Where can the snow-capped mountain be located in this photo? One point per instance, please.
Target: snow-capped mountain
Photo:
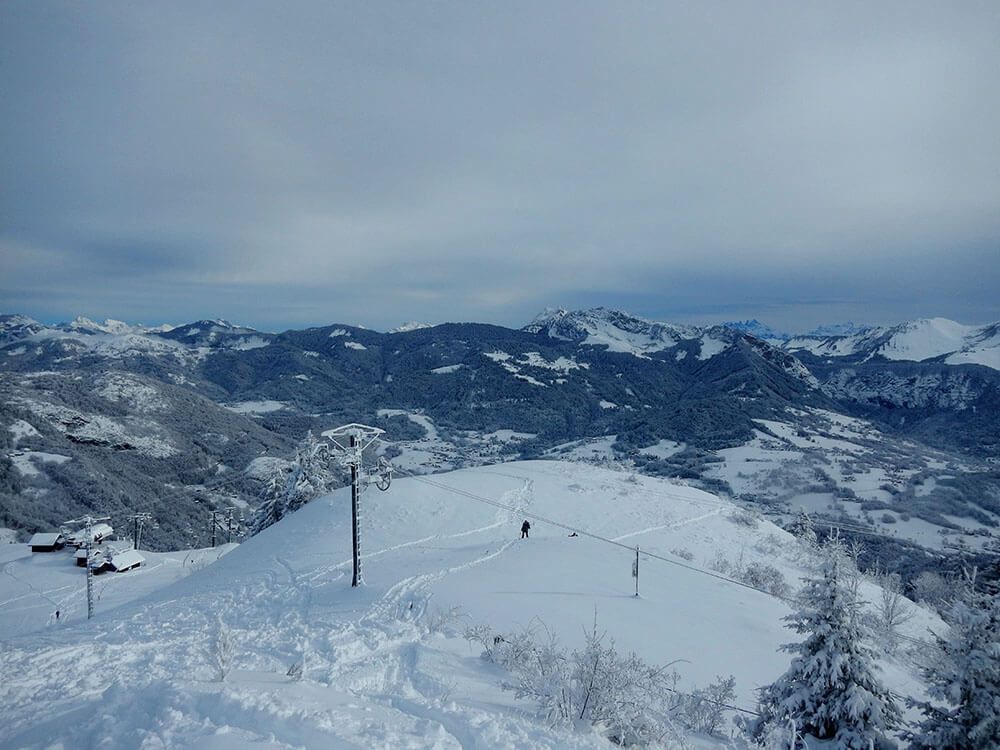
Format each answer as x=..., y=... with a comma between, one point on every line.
x=760, y=330
x=617, y=331
x=15, y=327
x=621, y=332
x=412, y=325
x=205, y=398
x=919, y=340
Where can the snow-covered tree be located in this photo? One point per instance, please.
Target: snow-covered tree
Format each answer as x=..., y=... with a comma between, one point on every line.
x=802, y=527
x=287, y=491
x=830, y=690
x=965, y=677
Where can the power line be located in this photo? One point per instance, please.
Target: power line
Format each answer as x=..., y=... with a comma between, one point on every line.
x=583, y=532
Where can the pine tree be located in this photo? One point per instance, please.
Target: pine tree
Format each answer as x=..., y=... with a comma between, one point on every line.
x=830, y=689
x=966, y=677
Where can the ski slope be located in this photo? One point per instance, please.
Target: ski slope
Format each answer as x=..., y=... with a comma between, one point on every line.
x=385, y=664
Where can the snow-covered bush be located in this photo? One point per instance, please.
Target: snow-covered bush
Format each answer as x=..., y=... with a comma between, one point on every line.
x=933, y=589
x=759, y=575
x=705, y=709
x=830, y=690
x=964, y=676
x=683, y=552
x=892, y=609
x=628, y=700
x=221, y=651
x=765, y=577
x=745, y=518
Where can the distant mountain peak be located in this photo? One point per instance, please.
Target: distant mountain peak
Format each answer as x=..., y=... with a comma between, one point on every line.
x=849, y=328
x=412, y=325
x=757, y=329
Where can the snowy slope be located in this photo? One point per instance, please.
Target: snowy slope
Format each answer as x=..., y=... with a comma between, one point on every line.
x=383, y=666
x=915, y=340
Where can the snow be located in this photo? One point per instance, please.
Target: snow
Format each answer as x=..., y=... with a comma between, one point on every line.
x=355, y=345
x=131, y=391
x=245, y=343
x=44, y=539
x=21, y=429
x=560, y=364
x=663, y=449
x=133, y=431
x=303, y=378
x=337, y=332
x=588, y=449
x=17, y=351
x=23, y=461
x=607, y=404
x=127, y=558
x=710, y=346
x=915, y=340
x=923, y=339
x=505, y=361
x=447, y=369
x=411, y=326
x=383, y=666
x=256, y=407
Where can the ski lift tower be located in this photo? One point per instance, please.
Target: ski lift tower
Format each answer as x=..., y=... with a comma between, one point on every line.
x=351, y=441
x=89, y=522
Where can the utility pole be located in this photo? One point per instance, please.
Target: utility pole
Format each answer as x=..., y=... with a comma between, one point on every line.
x=355, y=517
x=89, y=543
x=351, y=441
x=138, y=521
x=635, y=570
x=216, y=525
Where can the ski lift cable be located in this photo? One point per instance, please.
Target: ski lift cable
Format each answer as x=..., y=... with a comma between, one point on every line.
x=581, y=532
x=649, y=555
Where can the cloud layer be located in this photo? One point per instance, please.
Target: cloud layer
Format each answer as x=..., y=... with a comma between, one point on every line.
x=297, y=164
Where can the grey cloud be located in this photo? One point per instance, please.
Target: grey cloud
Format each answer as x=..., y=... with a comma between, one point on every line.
x=385, y=161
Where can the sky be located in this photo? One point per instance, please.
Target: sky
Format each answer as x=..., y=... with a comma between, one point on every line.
x=291, y=164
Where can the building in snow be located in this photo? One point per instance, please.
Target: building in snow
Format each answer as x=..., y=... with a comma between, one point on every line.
x=96, y=557
x=100, y=531
x=47, y=542
x=125, y=560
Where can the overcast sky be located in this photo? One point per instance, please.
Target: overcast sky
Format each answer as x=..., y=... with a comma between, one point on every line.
x=292, y=164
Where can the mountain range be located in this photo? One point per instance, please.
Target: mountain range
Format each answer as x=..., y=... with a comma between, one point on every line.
x=893, y=429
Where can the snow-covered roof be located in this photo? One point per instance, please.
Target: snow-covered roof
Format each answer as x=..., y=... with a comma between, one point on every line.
x=126, y=559
x=45, y=539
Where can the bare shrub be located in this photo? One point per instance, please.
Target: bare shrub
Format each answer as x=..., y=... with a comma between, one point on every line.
x=631, y=701
x=746, y=518
x=706, y=708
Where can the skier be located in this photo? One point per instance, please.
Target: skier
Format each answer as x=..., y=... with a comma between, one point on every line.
x=524, y=529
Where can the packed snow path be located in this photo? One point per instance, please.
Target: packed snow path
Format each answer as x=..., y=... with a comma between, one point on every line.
x=384, y=665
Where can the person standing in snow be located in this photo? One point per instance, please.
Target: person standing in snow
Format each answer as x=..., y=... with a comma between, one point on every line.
x=524, y=529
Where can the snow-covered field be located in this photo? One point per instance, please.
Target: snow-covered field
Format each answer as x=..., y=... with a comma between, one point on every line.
x=385, y=665
x=837, y=468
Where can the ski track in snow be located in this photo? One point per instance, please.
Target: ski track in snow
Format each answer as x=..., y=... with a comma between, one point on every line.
x=674, y=525
x=377, y=667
